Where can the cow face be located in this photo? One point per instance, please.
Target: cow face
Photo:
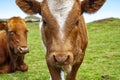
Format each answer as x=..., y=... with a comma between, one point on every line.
x=60, y=31
x=16, y=30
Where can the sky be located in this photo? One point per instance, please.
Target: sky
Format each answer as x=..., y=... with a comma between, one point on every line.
x=8, y=9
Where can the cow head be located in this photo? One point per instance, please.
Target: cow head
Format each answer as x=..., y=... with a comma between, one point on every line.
x=16, y=31
x=61, y=27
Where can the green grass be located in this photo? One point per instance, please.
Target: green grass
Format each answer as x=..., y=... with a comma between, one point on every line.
x=103, y=52
x=102, y=55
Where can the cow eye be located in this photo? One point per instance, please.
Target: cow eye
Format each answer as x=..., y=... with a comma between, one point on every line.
x=11, y=32
x=44, y=23
x=77, y=22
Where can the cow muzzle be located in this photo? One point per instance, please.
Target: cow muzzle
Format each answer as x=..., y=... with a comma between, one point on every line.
x=23, y=50
x=63, y=58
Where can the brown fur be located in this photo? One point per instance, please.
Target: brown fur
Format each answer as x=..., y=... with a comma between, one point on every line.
x=2, y=26
x=68, y=53
x=13, y=36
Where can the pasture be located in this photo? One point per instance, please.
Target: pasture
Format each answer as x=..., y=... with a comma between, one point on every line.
x=101, y=62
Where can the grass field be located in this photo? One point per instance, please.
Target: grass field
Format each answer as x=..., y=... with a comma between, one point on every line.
x=102, y=56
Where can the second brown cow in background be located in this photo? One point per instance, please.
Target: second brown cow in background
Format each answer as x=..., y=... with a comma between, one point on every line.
x=13, y=45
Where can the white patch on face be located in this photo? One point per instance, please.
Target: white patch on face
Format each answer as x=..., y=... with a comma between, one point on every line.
x=60, y=10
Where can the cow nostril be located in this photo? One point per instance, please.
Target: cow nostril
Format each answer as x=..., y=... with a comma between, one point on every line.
x=20, y=49
x=68, y=56
x=67, y=59
x=54, y=58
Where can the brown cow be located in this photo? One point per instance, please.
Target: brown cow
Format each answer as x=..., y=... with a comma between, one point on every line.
x=63, y=31
x=13, y=45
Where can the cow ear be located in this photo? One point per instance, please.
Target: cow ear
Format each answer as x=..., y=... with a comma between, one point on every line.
x=91, y=6
x=29, y=6
x=2, y=26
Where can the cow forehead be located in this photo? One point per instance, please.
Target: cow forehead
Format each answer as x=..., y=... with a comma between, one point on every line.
x=60, y=10
x=16, y=24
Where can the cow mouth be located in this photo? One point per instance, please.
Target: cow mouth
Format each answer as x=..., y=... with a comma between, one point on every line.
x=67, y=68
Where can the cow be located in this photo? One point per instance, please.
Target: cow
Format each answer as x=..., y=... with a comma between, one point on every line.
x=13, y=45
x=63, y=31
